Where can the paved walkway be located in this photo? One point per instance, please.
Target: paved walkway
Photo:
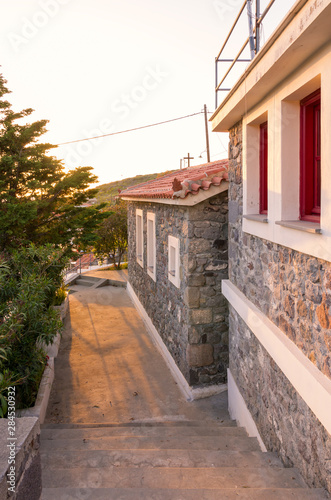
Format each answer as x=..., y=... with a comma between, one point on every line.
x=121, y=275
x=108, y=369
x=109, y=382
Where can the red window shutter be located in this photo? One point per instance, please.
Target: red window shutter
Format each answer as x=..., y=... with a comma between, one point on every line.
x=264, y=168
x=310, y=157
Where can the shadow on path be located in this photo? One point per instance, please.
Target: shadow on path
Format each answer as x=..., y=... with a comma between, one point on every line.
x=108, y=369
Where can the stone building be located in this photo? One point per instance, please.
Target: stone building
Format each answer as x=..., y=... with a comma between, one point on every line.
x=178, y=256
x=278, y=116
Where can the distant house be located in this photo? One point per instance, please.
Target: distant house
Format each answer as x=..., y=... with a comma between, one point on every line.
x=177, y=259
x=279, y=290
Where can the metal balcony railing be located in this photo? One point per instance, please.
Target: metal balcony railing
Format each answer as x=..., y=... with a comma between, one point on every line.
x=85, y=261
x=253, y=40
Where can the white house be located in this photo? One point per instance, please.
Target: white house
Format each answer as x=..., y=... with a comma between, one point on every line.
x=278, y=116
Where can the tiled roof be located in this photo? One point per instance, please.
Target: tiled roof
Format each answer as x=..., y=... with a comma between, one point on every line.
x=181, y=183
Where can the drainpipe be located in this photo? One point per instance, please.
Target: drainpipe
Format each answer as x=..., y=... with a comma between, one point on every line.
x=250, y=28
x=257, y=26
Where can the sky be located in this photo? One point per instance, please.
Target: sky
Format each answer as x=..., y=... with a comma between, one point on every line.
x=97, y=67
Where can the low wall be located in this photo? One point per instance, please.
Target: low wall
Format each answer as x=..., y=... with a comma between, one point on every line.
x=40, y=407
x=20, y=467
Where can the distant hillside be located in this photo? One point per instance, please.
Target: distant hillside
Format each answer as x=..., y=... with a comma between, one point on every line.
x=108, y=192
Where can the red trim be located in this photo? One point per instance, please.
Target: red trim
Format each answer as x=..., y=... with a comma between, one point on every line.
x=264, y=168
x=310, y=157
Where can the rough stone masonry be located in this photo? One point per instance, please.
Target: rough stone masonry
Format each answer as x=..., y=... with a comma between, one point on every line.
x=193, y=319
x=294, y=291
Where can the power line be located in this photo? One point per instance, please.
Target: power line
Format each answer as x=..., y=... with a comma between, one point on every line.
x=130, y=130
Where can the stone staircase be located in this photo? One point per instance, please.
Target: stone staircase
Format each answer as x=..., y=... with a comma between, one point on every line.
x=93, y=282
x=173, y=460
x=90, y=281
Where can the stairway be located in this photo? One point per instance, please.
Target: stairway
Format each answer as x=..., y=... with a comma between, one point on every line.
x=93, y=282
x=90, y=281
x=174, y=460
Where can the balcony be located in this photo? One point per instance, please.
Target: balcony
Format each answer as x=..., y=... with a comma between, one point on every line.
x=258, y=26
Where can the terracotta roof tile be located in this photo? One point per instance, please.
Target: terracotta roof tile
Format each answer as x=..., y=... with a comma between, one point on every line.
x=181, y=183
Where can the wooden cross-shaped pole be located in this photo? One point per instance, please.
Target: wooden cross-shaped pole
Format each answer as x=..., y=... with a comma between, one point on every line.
x=188, y=158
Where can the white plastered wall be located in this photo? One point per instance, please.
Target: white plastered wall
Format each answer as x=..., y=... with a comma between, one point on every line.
x=283, y=111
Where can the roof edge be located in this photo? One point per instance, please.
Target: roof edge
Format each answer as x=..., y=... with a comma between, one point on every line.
x=189, y=201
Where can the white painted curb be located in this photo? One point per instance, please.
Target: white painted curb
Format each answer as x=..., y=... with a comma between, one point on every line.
x=239, y=411
x=188, y=392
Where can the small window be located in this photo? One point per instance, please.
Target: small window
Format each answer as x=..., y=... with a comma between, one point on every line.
x=173, y=260
x=310, y=157
x=264, y=168
x=255, y=167
x=139, y=237
x=151, y=244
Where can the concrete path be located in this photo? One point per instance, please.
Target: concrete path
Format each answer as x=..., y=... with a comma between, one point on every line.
x=121, y=275
x=108, y=369
x=118, y=427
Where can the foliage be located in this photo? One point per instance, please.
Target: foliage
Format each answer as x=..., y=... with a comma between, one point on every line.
x=112, y=235
x=107, y=193
x=29, y=279
x=6, y=380
x=43, y=216
x=40, y=202
x=60, y=295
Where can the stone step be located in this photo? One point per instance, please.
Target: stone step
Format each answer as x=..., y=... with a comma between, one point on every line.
x=101, y=283
x=173, y=478
x=117, y=283
x=84, y=282
x=234, y=443
x=86, y=277
x=161, y=433
x=55, y=459
x=161, y=494
x=224, y=419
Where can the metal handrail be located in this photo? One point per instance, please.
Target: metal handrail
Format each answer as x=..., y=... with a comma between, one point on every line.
x=255, y=33
x=233, y=27
x=233, y=63
x=77, y=267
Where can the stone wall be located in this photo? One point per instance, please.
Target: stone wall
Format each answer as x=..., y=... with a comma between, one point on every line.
x=192, y=320
x=20, y=460
x=294, y=291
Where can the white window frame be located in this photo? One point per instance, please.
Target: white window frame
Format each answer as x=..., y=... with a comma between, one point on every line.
x=284, y=226
x=151, y=246
x=140, y=237
x=173, y=260
x=252, y=156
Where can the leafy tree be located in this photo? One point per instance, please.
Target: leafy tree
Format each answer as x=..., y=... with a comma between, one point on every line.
x=42, y=216
x=27, y=288
x=112, y=234
x=39, y=201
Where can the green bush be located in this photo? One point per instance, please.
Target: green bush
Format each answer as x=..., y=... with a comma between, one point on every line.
x=29, y=283
x=60, y=295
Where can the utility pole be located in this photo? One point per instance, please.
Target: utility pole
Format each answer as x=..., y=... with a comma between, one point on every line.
x=188, y=158
x=207, y=137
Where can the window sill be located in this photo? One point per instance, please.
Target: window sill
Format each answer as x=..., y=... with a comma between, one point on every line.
x=151, y=273
x=257, y=217
x=301, y=225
